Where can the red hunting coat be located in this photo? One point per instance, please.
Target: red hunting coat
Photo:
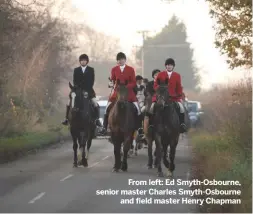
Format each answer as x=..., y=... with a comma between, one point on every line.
x=174, y=83
x=127, y=74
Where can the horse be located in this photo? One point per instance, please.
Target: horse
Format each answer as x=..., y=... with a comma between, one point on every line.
x=149, y=135
x=81, y=125
x=166, y=128
x=121, y=121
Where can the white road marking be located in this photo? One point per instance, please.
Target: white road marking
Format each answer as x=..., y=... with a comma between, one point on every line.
x=67, y=177
x=37, y=197
x=94, y=164
x=105, y=157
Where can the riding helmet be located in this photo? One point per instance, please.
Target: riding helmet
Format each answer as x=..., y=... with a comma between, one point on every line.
x=120, y=56
x=84, y=57
x=154, y=72
x=138, y=77
x=170, y=61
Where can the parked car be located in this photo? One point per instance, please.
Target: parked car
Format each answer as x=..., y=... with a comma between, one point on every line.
x=195, y=112
x=102, y=104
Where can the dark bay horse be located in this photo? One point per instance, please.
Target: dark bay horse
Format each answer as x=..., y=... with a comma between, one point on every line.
x=121, y=121
x=82, y=128
x=149, y=135
x=166, y=128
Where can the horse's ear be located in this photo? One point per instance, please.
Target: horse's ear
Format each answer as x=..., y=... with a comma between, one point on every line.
x=118, y=81
x=70, y=86
x=158, y=81
x=166, y=81
x=126, y=82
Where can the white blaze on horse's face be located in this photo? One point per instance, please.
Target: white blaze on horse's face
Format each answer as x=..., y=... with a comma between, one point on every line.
x=73, y=96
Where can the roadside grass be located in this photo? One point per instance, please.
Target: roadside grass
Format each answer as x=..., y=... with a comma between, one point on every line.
x=222, y=148
x=37, y=137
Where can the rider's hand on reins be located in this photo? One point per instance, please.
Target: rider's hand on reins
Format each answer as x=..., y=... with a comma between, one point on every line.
x=110, y=85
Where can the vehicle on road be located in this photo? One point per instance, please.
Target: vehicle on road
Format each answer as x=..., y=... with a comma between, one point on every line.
x=195, y=112
x=102, y=104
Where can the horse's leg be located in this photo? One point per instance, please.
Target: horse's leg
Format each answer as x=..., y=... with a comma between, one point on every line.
x=165, y=144
x=83, y=140
x=89, y=141
x=131, y=151
x=158, y=154
x=127, y=144
x=79, y=151
x=136, y=147
x=173, y=146
x=150, y=155
x=117, y=148
x=75, y=145
x=155, y=161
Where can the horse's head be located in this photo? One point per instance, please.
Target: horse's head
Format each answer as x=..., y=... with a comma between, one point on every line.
x=162, y=94
x=122, y=91
x=79, y=99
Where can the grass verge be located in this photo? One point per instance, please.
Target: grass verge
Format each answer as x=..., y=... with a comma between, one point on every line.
x=13, y=147
x=215, y=158
x=222, y=148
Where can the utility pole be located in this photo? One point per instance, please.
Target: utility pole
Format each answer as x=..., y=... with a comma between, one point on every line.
x=143, y=33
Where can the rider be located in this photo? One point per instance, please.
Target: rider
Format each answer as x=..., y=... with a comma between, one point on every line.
x=145, y=82
x=122, y=72
x=84, y=77
x=149, y=90
x=150, y=85
x=140, y=91
x=174, y=88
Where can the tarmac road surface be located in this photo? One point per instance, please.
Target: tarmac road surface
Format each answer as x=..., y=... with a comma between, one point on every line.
x=47, y=182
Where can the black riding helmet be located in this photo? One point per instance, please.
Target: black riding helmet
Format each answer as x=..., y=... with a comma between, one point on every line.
x=138, y=77
x=170, y=61
x=154, y=72
x=120, y=56
x=83, y=57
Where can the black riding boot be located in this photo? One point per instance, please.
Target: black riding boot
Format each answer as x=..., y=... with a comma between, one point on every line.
x=65, y=122
x=182, y=123
x=97, y=121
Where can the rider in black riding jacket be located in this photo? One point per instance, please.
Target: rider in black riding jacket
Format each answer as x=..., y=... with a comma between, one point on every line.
x=150, y=85
x=84, y=77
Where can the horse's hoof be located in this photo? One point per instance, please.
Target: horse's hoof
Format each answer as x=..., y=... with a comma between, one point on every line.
x=136, y=153
x=169, y=174
x=115, y=169
x=155, y=166
x=85, y=163
x=79, y=163
x=149, y=166
x=75, y=165
x=160, y=174
x=124, y=168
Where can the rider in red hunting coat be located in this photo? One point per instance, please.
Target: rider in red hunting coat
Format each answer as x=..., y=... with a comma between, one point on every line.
x=174, y=88
x=122, y=72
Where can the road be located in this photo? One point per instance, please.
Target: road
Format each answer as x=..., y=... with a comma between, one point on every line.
x=47, y=182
